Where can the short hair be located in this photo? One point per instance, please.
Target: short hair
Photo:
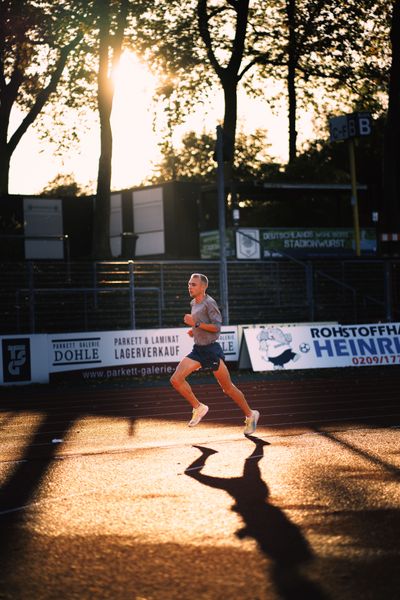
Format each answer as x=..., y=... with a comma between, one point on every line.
x=203, y=278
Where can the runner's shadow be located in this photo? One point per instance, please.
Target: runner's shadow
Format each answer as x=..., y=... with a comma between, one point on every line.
x=277, y=537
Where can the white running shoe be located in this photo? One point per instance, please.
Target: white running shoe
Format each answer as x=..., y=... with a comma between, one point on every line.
x=250, y=423
x=197, y=414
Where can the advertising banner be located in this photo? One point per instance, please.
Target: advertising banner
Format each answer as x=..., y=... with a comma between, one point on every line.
x=248, y=243
x=300, y=242
x=23, y=359
x=149, y=352
x=209, y=244
x=138, y=352
x=313, y=346
x=244, y=357
x=315, y=242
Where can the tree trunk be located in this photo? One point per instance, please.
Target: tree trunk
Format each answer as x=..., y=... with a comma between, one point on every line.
x=291, y=79
x=229, y=126
x=4, y=171
x=229, y=133
x=110, y=47
x=8, y=96
x=228, y=75
x=101, y=223
x=391, y=173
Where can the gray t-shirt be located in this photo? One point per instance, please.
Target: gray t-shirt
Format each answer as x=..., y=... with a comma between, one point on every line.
x=206, y=311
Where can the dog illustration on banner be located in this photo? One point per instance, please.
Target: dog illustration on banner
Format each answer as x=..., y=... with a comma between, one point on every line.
x=275, y=347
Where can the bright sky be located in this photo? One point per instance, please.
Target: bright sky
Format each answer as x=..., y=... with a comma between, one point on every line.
x=34, y=163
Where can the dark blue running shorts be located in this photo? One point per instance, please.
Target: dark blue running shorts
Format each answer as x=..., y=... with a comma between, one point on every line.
x=208, y=356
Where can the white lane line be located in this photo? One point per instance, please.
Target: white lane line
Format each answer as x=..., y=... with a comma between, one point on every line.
x=39, y=502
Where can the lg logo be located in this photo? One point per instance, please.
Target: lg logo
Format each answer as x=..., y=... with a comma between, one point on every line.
x=16, y=359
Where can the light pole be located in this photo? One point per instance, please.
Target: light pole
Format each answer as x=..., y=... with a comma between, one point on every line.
x=223, y=270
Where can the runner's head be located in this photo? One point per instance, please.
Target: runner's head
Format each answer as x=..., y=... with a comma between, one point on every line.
x=198, y=284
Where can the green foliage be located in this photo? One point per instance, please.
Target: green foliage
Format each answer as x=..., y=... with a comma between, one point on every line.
x=167, y=38
x=64, y=185
x=36, y=42
x=32, y=35
x=339, y=50
x=321, y=163
x=326, y=162
x=194, y=160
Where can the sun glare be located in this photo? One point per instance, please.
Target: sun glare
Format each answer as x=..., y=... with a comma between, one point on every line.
x=135, y=142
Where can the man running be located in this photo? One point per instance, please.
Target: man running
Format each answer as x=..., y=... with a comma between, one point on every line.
x=205, y=321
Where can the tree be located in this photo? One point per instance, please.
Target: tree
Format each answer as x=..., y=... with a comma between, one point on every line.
x=196, y=45
x=112, y=21
x=391, y=175
x=36, y=42
x=228, y=68
x=329, y=55
x=39, y=55
x=195, y=159
x=310, y=45
x=63, y=185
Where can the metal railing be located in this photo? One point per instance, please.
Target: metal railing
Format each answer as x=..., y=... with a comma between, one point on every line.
x=310, y=274
x=49, y=296
x=86, y=308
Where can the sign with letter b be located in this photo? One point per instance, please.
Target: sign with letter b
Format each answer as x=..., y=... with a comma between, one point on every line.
x=357, y=124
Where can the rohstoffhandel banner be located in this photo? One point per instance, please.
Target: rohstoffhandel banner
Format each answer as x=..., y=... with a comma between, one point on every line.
x=323, y=346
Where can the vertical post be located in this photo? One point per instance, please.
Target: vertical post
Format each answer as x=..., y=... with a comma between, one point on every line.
x=132, y=294
x=310, y=289
x=223, y=273
x=162, y=286
x=388, y=291
x=95, y=285
x=85, y=310
x=32, y=321
x=354, y=201
x=67, y=256
x=159, y=298
x=18, y=308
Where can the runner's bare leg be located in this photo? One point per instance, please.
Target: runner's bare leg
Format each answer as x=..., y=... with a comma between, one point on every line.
x=178, y=380
x=223, y=377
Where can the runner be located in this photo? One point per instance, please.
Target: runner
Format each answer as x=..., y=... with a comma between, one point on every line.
x=205, y=321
